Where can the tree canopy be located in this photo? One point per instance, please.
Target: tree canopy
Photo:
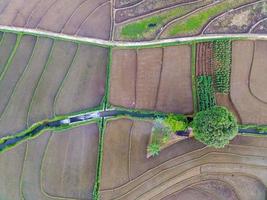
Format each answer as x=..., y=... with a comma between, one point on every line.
x=215, y=127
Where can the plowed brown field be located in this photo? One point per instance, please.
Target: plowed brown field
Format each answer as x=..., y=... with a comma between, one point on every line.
x=80, y=17
x=128, y=174
x=159, y=79
x=247, y=81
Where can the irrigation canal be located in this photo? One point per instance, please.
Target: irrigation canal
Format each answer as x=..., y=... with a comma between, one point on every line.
x=72, y=120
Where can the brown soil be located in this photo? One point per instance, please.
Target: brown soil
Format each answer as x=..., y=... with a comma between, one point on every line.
x=56, y=15
x=6, y=47
x=204, y=59
x=115, y=155
x=12, y=76
x=50, y=81
x=11, y=163
x=122, y=78
x=175, y=86
x=225, y=100
x=149, y=68
x=250, y=108
x=97, y=24
x=20, y=19
x=69, y=165
x=85, y=82
x=32, y=168
x=80, y=15
x=161, y=79
x=258, y=72
x=132, y=162
x=53, y=20
x=226, y=187
x=178, y=166
x=15, y=117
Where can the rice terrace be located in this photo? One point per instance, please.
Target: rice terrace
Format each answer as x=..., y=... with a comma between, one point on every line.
x=133, y=99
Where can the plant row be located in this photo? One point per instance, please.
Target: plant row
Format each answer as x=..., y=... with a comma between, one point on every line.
x=205, y=92
x=222, y=53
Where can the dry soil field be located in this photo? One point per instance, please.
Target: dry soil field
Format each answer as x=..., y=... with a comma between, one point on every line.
x=81, y=17
x=154, y=79
x=248, y=80
x=52, y=166
x=42, y=77
x=183, y=170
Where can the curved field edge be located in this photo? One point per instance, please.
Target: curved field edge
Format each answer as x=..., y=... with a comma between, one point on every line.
x=194, y=23
x=140, y=28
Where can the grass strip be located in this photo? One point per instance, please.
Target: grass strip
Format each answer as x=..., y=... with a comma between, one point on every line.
x=194, y=23
x=96, y=191
x=107, y=84
x=193, y=77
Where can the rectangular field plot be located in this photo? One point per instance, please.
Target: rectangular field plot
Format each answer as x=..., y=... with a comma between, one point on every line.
x=11, y=165
x=85, y=82
x=248, y=81
x=69, y=165
x=152, y=79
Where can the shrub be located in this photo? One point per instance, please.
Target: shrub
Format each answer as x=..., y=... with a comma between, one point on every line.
x=215, y=127
x=176, y=122
x=154, y=149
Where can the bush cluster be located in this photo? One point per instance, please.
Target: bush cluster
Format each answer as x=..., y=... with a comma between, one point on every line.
x=162, y=130
x=222, y=54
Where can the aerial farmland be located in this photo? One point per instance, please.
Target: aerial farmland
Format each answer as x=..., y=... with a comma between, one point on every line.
x=133, y=99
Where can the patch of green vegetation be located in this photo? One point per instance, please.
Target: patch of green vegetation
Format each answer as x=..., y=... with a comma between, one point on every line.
x=193, y=74
x=215, y=127
x=194, y=23
x=148, y=26
x=160, y=135
x=96, y=190
x=176, y=122
x=205, y=92
x=222, y=57
x=105, y=100
x=162, y=130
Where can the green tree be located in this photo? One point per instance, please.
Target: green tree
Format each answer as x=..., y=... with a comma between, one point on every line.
x=215, y=127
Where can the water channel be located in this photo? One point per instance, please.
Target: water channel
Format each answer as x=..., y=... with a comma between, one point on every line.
x=94, y=115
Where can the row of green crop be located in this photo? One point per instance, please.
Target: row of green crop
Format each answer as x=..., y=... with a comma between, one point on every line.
x=205, y=92
x=222, y=59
